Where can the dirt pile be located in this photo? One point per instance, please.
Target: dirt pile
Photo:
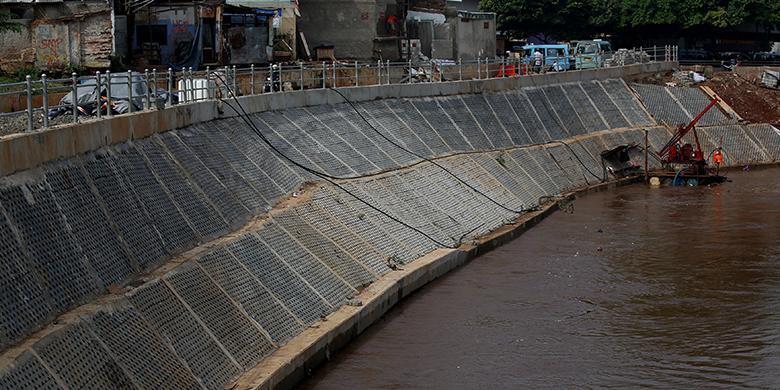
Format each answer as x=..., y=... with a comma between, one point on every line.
x=747, y=97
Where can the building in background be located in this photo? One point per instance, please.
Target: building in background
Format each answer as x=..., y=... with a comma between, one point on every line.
x=176, y=34
x=282, y=33
x=68, y=34
x=81, y=35
x=390, y=29
x=356, y=29
x=450, y=33
x=57, y=35
x=475, y=35
x=231, y=32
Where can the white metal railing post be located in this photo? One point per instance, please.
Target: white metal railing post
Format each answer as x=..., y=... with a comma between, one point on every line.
x=357, y=74
x=252, y=79
x=410, y=71
x=109, y=112
x=460, y=69
x=154, y=82
x=130, y=107
x=75, y=104
x=303, y=80
x=228, y=83
x=379, y=72
x=479, y=68
x=184, y=94
x=28, y=82
x=148, y=96
x=487, y=67
x=45, y=92
x=193, y=90
x=169, y=103
x=388, y=72
x=98, y=88
x=235, y=80
x=271, y=77
x=503, y=67
x=335, y=76
x=187, y=86
x=324, y=74
x=209, y=91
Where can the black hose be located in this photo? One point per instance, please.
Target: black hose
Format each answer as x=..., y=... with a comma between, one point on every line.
x=329, y=178
x=560, y=123
x=577, y=157
x=423, y=157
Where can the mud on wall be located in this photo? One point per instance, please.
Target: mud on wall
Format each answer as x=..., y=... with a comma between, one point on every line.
x=60, y=36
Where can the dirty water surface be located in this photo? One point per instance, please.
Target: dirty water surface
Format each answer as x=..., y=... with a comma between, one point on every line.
x=638, y=287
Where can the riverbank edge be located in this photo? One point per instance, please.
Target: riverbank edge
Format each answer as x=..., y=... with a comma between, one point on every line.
x=293, y=362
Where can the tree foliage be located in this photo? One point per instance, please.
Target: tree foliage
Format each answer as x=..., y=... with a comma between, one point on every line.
x=573, y=18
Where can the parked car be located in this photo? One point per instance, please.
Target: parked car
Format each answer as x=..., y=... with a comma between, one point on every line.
x=592, y=54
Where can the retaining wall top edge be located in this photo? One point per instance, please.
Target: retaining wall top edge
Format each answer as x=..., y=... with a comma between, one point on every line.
x=20, y=152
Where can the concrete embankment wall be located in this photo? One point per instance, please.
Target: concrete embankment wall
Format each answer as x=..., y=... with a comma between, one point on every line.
x=172, y=272
x=19, y=152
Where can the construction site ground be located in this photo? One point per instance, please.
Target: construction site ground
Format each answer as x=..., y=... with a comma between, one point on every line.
x=740, y=89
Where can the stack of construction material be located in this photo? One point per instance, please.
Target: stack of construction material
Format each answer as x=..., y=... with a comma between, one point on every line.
x=628, y=57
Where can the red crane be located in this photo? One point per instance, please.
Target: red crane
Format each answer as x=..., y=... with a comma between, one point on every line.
x=669, y=152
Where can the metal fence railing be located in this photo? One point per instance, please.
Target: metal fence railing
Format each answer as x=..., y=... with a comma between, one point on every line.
x=46, y=102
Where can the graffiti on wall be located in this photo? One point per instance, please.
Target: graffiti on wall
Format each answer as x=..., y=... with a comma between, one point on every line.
x=182, y=37
x=51, y=46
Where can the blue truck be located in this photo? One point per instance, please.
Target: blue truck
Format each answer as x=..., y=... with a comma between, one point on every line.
x=592, y=54
x=553, y=57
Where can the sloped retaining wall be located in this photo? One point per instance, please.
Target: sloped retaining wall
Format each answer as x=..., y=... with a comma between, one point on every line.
x=180, y=260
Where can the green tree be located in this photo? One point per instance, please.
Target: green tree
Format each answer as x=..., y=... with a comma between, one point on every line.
x=577, y=18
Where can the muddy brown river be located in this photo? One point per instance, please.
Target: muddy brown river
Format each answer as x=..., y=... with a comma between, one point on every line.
x=669, y=287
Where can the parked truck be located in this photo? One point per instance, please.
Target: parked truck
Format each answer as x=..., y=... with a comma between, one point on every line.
x=592, y=54
x=553, y=57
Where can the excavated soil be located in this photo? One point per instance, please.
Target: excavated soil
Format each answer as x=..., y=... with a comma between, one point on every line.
x=747, y=97
x=741, y=90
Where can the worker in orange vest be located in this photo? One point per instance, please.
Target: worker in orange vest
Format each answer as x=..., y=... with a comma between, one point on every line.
x=717, y=157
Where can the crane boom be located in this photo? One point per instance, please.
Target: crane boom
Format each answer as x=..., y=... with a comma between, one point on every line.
x=683, y=130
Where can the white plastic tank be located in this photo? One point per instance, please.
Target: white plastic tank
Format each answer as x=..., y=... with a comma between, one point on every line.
x=195, y=89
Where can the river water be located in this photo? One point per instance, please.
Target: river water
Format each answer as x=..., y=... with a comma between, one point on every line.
x=666, y=287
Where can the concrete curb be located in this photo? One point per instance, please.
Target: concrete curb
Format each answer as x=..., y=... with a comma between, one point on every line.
x=294, y=361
